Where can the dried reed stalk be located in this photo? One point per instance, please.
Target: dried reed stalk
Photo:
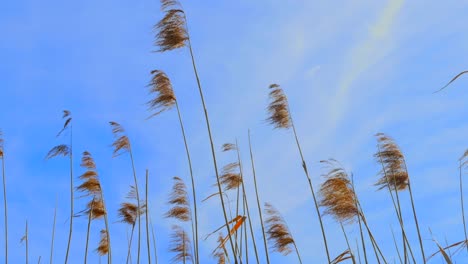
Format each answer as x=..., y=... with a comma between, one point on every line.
x=91, y=187
x=66, y=150
x=395, y=177
x=278, y=232
x=180, y=245
x=154, y=242
x=53, y=232
x=2, y=156
x=258, y=200
x=347, y=243
x=396, y=245
x=172, y=33
x=163, y=98
x=463, y=161
x=280, y=117
x=25, y=239
x=147, y=219
x=122, y=145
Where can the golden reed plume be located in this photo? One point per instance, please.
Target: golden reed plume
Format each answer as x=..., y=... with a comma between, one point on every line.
x=179, y=200
x=103, y=247
x=180, y=244
x=394, y=174
x=277, y=231
x=171, y=30
x=164, y=97
x=337, y=194
x=278, y=108
x=121, y=143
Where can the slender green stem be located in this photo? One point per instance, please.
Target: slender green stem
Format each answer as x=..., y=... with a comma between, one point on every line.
x=138, y=205
x=71, y=195
x=53, y=232
x=304, y=166
x=213, y=152
x=258, y=200
x=193, y=183
x=147, y=220
x=154, y=243
x=246, y=204
x=6, y=208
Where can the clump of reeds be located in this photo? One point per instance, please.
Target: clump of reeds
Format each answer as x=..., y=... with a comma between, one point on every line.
x=279, y=236
x=66, y=150
x=122, y=145
x=172, y=33
x=395, y=178
x=91, y=186
x=163, y=98
x=180, y=245
x=5, y=208
x=279, y=116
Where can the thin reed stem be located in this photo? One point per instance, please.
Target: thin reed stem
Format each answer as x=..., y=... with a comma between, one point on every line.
x=415, y=216
x=359, y=221
x=71, y=194
x=304, y=166
x=90, y=217
x=258, y=200
x=347, y=243
x=246, y=204
x=154, y=243
x=358, y=253
x=5, y=205
x=147, y=220
x=396, y=245
x=53, y=232
x=192, y=178
x=130, y=244
x=27, y=243
x=462, y=205
x=213, y=152
x=138, y=204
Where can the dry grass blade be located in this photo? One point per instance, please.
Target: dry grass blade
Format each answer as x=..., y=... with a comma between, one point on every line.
x=342, y=257
x=164, y=97
x=393, y=161
x=277, y=231
x=451, y=81
x=337, y=194
x=172, y=32
x=458, y=245
x=228, y=147
x=103, y=247
x=180, y=244
x=121, y=143
x=278, y=108
x=60, y=150
x=67, y=117
x=180, y=202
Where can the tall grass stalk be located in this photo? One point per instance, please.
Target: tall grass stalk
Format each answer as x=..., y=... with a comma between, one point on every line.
x=396, y=245
x=53, y=233
x=154, y=242
x=147, y=219
x=258, y=200
x=5, y=212
x=90, y=217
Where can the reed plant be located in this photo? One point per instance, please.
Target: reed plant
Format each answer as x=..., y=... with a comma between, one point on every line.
x=5, y=208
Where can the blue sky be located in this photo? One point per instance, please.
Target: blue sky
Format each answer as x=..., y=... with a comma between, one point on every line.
x=349, y=70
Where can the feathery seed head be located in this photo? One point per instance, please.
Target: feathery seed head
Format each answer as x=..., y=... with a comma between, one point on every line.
x=278, y=108
x=277, y=231
x=228, y=147
x=121, y=140
x=171, y=30
x=60, y=150
x=103, y=247
x=230, y=177
x=394, y=173
x=180, y=202
x=67, y=117
x=337, y=193
x=1, y=144
x=181, y=245
x=164, y=97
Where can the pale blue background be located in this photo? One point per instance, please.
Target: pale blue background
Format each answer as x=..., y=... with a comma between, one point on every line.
x=350, y=69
